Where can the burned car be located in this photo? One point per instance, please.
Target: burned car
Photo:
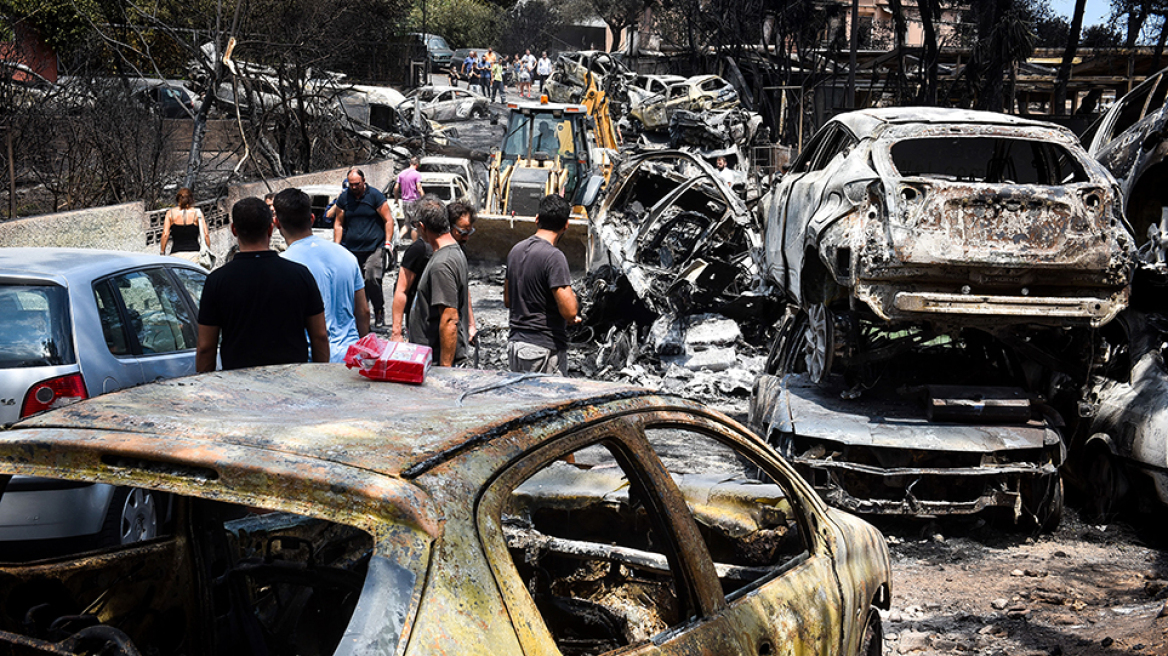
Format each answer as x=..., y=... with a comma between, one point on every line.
x=700, y=93
x=674, y=234
x=1121, y=449
x=946, y=272
x=312, y=511
x=574, y=71
x=919, y=443
x=651, y=85
x=1130, y=141
x=446, y=103
x=944, y=218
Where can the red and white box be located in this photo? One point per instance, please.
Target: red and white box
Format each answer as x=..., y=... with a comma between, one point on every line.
x=380, y=359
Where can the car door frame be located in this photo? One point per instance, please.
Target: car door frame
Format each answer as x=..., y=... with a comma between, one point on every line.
x=690, y=560
x=820, y=560
x=138, y=362
x=810, y=189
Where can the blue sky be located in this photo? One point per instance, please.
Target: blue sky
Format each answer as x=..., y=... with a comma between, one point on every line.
x=1097, y=12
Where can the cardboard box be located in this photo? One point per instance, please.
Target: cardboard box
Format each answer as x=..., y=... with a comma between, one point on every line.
x=379, y=359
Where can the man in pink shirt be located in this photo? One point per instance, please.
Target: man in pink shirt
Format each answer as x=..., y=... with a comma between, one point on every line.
x=407, y=190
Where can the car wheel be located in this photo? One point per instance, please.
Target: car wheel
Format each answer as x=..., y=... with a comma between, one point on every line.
x=1042, y=500
x=805, y=343
x=1106, y=484
x=818, y=342
x=133, y=516
x=872, y=640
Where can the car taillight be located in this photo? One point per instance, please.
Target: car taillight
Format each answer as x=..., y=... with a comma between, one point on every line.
x=53, y=393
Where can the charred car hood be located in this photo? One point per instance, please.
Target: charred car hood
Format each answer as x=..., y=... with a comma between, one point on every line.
x=803, y=408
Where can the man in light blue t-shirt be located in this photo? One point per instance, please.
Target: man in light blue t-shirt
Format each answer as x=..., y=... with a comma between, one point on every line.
x=335, y=269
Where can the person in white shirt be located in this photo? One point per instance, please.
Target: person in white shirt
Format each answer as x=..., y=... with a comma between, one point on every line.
x=543, y=69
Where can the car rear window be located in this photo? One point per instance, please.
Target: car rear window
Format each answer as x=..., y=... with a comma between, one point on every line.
x=987, y=159
x=445, y=192
x=34, y=326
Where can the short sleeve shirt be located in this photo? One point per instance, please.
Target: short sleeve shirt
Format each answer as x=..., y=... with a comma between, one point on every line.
x=364, y=232
x=338, y=278
x=444, y=283
x=408, y=180
x=414, y=260
x=535, y=269
x=261, y=303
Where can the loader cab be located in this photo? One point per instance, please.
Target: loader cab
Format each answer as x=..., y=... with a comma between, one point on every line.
x=541, y=133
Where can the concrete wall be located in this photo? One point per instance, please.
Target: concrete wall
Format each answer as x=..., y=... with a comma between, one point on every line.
x=377, y=174
x=114, y=227
x=129, y=227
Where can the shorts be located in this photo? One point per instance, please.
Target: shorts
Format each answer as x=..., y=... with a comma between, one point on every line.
x=522, y=356
x=409, y=212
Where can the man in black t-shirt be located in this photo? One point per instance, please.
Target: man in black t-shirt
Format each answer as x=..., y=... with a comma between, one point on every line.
x=413, y=263
x=259, y=302
x=440, y=317
x=538, y=291
x=462, y=218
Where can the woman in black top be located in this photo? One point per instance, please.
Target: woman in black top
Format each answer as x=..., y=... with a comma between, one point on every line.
x=182, y=226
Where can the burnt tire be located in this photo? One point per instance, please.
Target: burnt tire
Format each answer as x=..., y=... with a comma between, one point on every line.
x=1043, y=502
x=872, y=639
x=1106, y=484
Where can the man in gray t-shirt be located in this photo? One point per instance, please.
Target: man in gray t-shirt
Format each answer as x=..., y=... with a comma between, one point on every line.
x=538, y=291
x=440, y=316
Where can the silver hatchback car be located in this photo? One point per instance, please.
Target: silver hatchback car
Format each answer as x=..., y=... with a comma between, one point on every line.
x=74, y=324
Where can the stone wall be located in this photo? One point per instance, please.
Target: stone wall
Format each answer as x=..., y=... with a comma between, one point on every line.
x=129, y=227
x=113, y=227
x=377, y=174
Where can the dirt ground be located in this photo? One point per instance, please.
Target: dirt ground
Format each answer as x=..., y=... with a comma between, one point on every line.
x=969, y=585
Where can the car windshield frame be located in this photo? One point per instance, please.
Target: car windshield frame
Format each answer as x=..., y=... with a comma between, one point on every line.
x=400, y=554
x=1057, y=163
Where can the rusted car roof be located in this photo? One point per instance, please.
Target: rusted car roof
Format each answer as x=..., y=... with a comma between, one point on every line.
x=327, y=412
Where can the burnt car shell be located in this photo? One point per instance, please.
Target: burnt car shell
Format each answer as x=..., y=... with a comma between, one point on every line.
x=1130, y=140
x=950, y=215
x=422, y=471
x=1122, y=452
x=678, y=232
x=892, y=455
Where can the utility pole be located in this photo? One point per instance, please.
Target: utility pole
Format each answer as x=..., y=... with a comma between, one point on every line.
x=852, y=57
x=11, y=174
x=426, y=43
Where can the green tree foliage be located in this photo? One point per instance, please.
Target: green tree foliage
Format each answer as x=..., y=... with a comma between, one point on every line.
x=463, y=23
x=1050, y=29
x=60, y=22
x=531, y=25
x=1101, y=36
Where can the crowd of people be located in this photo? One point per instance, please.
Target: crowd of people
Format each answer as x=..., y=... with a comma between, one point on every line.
x=490, y=73
x=311, y=302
